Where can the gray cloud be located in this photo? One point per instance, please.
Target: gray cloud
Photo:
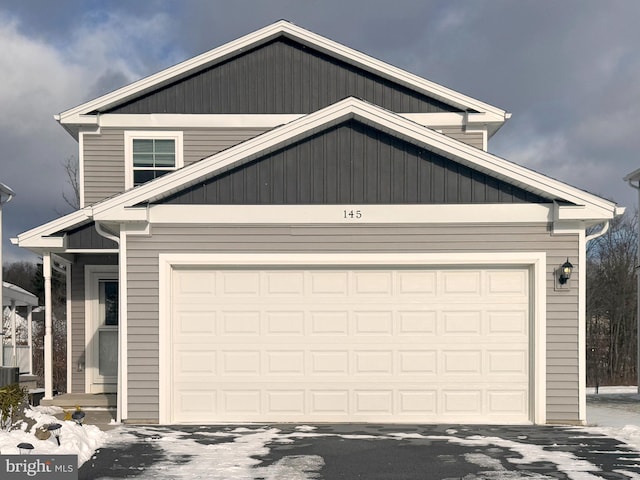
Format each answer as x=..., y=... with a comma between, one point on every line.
x=569, y=71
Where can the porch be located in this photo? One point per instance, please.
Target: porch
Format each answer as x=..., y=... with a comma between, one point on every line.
x=99, y=408
x=83, y=400
x=16, y=339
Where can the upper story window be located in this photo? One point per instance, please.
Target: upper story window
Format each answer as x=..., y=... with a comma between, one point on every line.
x=150, y=155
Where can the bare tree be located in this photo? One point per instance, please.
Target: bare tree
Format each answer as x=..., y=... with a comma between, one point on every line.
x=611, y=304
x=72, y=170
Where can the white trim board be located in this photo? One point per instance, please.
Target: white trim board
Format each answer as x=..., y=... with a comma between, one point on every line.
x=347, y=214
x=131, y=135
x=475, y=121
x=536, y=261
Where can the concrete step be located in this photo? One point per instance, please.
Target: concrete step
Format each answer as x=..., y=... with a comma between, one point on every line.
x=83, y=400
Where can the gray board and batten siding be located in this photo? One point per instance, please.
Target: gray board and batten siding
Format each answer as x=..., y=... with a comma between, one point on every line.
x=86, y=237
x=143, y=286
x=281, y=76
x=352, y=163
x=104, y=165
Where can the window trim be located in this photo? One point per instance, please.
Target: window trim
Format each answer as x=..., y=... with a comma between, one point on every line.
x=131, y=135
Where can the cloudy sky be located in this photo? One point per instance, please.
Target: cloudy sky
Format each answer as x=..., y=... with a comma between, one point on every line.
x=568, y=71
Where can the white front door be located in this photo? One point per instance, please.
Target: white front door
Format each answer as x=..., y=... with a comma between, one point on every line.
x=102, y=329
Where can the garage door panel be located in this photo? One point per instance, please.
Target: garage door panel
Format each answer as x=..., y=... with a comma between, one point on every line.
x=505, y=402
x=329, y=402
x=246, y=402
x=373, y=322
x=246, y=284
x=279, y=323
x=240, y=322
x=373, y=362
x=507, y=362
x=456, y=283
x=329, y=322
x=461, y=362
x=190, y=362
x=507, y=282
x=285, y=362
x=194, y=323
x=416, y=283
x=375, y=402
x=507, y=322
x=195, y=404
x=195, y=283
x=416, y=322
x=285, y=283
x=350, y=345
x=240, y=363
x=328, y=284
x=461, y=323
x=420, y=402
x=286, y=402
x=329, y=362
x=372, y=283
x=412, y=362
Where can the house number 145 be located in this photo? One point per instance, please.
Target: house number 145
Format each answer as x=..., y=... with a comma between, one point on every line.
x=351, y=214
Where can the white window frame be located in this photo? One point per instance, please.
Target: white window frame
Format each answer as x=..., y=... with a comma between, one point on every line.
x=131, y=135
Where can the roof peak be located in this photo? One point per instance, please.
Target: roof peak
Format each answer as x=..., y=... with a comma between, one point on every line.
x=78, y=115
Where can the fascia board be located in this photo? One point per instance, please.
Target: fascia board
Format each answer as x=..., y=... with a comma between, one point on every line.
x=43, y=231
x=121, y=215
x=581, y=212
x=633, y=176
x=375, y=116
x=263, y=35
x=47, y=243
x=170, y=120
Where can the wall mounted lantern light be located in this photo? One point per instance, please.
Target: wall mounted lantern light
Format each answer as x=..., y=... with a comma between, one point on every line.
x=564, y=273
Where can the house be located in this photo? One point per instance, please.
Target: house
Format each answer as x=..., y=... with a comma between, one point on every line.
x=284, y=229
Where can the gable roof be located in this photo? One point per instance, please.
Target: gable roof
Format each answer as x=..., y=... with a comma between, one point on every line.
x=83, y=113
x=21, y=297
x=368, y=114
x=122, y=207
x=354, y=164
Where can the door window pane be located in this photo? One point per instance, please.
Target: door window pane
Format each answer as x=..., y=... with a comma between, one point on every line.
x=108, y=302
x=108, y=353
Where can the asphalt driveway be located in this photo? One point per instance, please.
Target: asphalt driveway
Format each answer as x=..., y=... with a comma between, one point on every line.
x=362, y=451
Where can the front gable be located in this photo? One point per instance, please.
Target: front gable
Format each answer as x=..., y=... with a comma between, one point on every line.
x=282, y=76
x=279, y=70
x=351, y=152
x=352, y=163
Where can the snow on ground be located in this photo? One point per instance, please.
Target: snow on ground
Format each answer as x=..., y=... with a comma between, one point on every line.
x=74, y=439
x=239, y=458
x=616, y=420
x=612, y=390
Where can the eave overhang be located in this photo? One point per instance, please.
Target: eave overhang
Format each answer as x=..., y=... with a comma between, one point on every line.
x=376, y=117
x=570, y=204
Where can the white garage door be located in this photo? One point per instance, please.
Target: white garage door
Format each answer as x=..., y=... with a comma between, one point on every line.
x=332, y=345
